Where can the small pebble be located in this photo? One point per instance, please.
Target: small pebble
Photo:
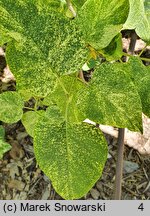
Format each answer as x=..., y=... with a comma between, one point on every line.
x=109, y=156
x=129, y=167
x=95, y=194
x=15, y=184
x=99, y=185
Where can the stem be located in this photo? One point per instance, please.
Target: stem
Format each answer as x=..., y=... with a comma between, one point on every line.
x=36, y=104
x=29, y=108
x=142, y=50
x=61, y=84
x=119, y=164
x=142, y=58
x=121, y=134
x=145, y=59
x=81, y=76
x=132, y=43
x=71, y=8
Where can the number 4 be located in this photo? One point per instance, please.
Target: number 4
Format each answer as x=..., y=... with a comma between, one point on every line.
x=141, y=207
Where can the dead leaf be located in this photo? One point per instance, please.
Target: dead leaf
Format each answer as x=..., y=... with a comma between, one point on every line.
x=15, y=184
x=21, y=135
x=2, y=53
x=21, y=196
x=46, y=192
x=13, y=169
x=136, y=140
x=7, y=75
x=16, y=151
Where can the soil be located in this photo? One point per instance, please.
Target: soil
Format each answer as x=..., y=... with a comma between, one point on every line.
x=21, y=178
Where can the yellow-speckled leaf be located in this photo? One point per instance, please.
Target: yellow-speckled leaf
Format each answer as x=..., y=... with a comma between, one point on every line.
x=139, y=18
x=65, y=95
x=29, y=120
x=114, y=50
x=32, y=73
x=78, y=3
x=4, y=146
x=112, y=99
x=11, y=107
x=101, y=21
x=141, y=78
x=74, y=155
x=43, y=41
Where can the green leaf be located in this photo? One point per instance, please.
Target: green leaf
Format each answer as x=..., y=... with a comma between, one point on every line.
x=29, y=120
x=3, y=37
x=33, y=75
x=114, y=50
x=74, y=155
x=141, y=77
x=139, y=18
x=76, y=6
x=43, y=41
x=55, y=5
x=51, y=113
x=4, y=146
x=48, y=100
x=101, y=21
x=65, y=95
x=11, y=107
x=111, y=98
x=78, y=3
x=90, y=64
